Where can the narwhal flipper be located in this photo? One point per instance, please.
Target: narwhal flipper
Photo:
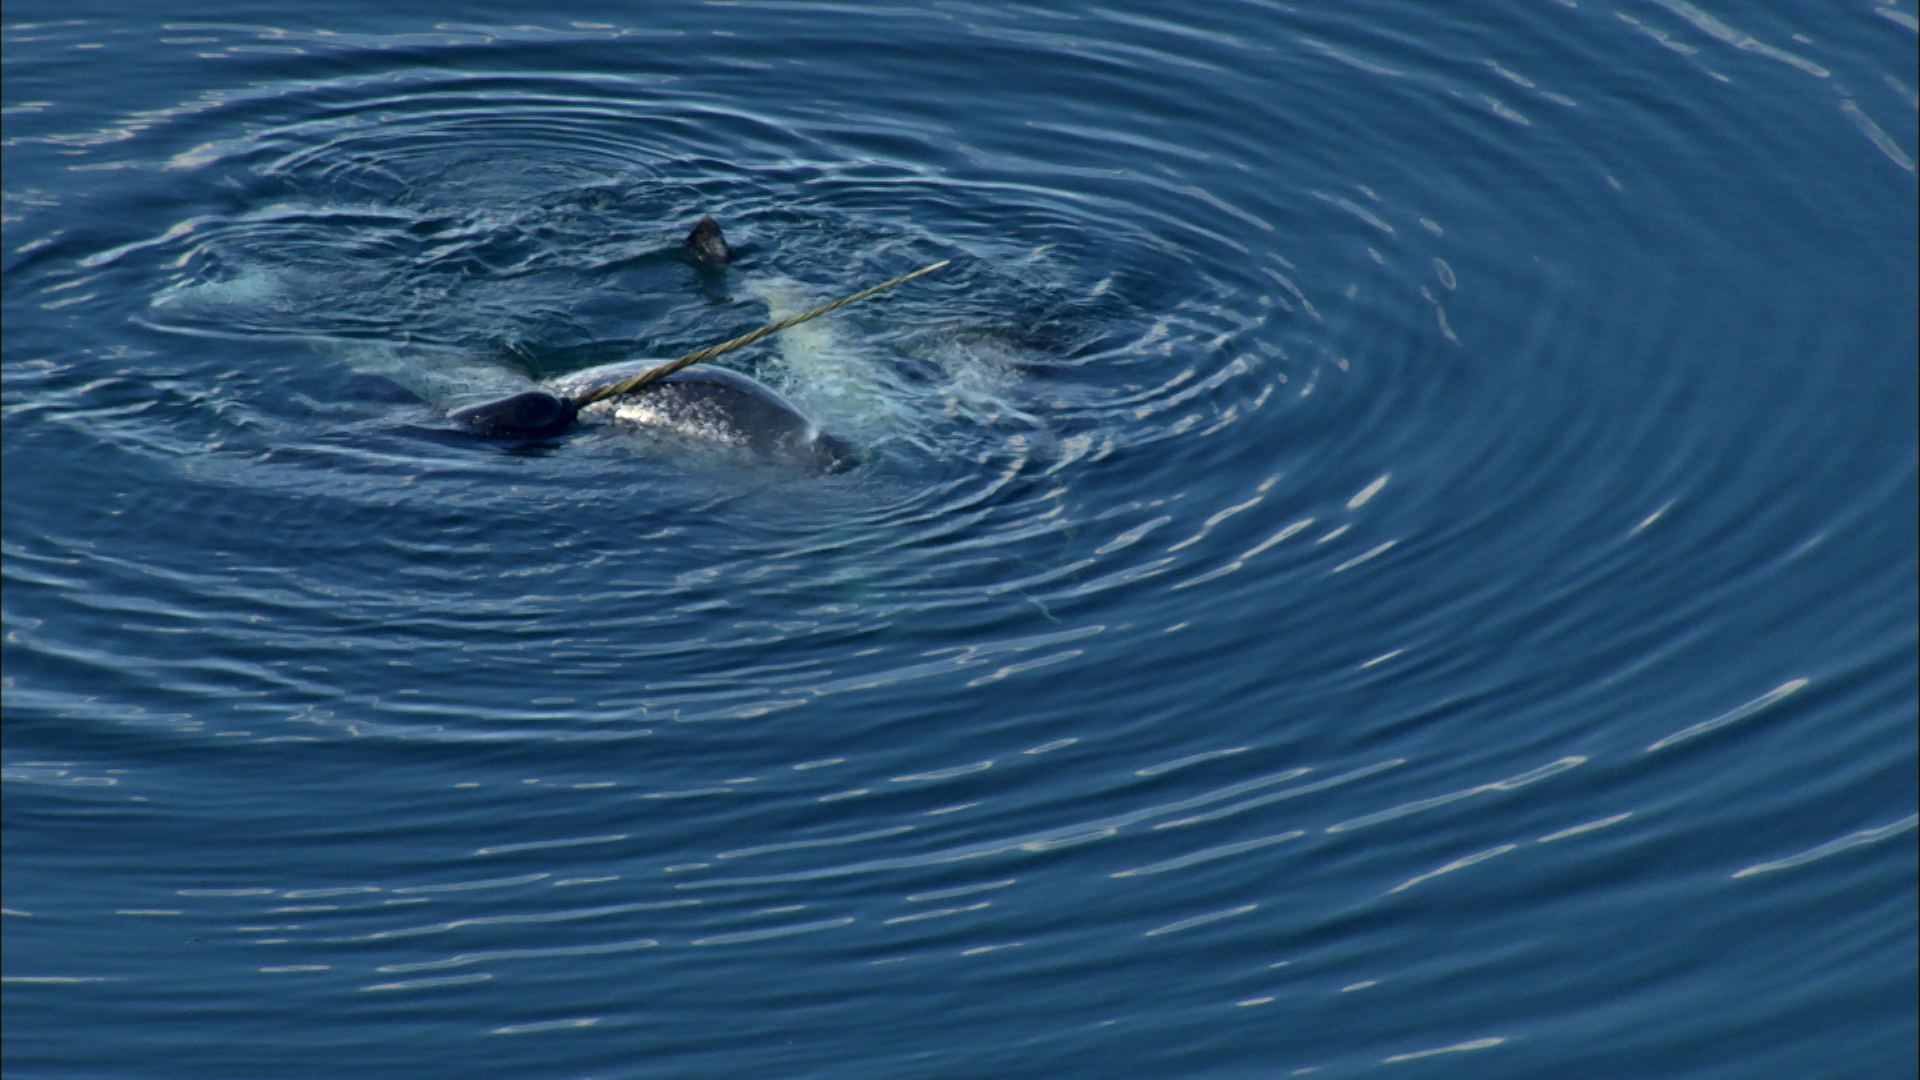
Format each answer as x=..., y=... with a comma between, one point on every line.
x=706, y=246
x=534, y=414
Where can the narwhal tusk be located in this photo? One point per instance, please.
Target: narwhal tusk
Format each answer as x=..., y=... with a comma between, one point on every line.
x=627, y=386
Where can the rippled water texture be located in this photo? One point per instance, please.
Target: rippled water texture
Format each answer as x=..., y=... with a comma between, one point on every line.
x=1389, y=549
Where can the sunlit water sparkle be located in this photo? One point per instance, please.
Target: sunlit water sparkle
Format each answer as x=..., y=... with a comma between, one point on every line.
x=1390, y=548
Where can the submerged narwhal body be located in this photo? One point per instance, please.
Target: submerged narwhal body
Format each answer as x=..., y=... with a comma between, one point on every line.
x=699, y=404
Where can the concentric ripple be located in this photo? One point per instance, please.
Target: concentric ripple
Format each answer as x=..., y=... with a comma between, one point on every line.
x=1389, y=530
x=483, y=228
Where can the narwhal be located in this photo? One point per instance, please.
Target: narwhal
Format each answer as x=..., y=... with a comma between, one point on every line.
x=707, y=404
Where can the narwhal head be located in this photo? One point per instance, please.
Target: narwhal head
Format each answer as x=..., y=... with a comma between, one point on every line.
x=531, y=415
x=707, y=247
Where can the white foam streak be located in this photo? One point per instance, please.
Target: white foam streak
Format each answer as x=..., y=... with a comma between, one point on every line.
x=1209, y=854
x=1834, y=847
x=1200, y=920
x=1457, y=864
x=1740, y=713
x=1510, y=783
x=1476, y=1044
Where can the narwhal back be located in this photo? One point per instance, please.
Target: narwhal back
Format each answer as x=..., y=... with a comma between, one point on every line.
x=711, y=405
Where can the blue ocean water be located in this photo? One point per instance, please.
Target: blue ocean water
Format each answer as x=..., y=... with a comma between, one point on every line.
x=1390, y=550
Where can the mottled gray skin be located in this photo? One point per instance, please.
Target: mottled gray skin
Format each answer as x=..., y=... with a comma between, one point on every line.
x=711, y=404
x=707, y=246
x=704, y=403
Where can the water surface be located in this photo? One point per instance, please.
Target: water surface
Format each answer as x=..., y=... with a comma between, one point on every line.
x=1390, y=549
